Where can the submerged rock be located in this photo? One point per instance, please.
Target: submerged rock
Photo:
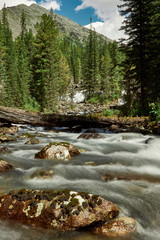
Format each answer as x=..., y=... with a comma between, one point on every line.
x=61, y=210
x=43, y=174
x=90, y=133
x=121, y=226
x=131, y=177
x=60, y=151
x=33, y=141
x=5, y=166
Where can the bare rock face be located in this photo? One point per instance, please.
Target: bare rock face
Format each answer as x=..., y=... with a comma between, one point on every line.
x=60, y=151
x=4, y=166
x=90, y=133
x=118, y=227
x=60, y=210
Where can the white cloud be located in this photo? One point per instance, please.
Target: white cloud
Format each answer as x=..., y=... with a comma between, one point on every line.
x=50, y=4
x=107, y=11
x=46, y=4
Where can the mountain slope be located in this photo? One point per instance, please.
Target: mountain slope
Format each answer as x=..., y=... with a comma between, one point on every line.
x=33, y=15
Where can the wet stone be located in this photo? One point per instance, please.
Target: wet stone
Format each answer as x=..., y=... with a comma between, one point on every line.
x=55, y=209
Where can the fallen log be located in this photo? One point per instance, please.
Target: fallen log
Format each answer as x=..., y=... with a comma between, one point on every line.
x=19, y=116
x=123, y=124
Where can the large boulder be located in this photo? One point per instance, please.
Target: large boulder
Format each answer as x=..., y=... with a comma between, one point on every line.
x=118, y=227
x=5, y=166
x=60, y=210
x=62, y=151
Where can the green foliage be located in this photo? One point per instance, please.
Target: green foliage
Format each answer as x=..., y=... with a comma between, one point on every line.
x=98, y=99
x=155, y=111
x=142, y=72
x=110, y=112
x=91, y=65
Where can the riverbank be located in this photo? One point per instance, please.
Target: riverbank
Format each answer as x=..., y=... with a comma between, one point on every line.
x=76, y=122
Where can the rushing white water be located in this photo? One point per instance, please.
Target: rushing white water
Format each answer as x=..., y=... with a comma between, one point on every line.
x=131, y=161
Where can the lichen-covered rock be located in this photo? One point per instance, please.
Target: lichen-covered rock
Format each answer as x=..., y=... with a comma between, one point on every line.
x=90, y=133
x=9, y=130
x=5, y=138
x=118, y=227
x=33, y=141
x=60, y=210
x=60, y=151
x=43, y=174
x=5, y=166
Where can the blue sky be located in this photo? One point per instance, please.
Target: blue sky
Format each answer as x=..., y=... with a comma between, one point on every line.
x=82, y=17
x=104, y=13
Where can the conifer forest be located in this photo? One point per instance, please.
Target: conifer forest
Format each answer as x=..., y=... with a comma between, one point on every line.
x=36, y=71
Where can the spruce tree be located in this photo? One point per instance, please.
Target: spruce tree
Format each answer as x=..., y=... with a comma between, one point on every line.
x=91, y=65
x=47, y=64
x=138, y=27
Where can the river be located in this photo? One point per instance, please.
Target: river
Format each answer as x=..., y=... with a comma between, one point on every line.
x=129, y=156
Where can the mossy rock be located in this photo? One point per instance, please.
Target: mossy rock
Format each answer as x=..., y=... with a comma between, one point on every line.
x=33, y=141
x=61, y=151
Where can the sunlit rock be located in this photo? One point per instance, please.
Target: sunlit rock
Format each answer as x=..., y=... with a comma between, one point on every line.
x=119, y=227
x=26, y=135
x=5, y=166
x=60, y=151
x=90, y=133
x=6, y=138
x=9, y=130
x=61, y=210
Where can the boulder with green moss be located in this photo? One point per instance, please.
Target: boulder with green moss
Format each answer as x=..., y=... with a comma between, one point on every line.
x=61, y=151
x=60, y=210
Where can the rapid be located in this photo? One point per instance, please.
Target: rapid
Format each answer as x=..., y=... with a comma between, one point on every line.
x=123, y=168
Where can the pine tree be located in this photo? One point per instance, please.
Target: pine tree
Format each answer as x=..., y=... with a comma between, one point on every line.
x=47, y=64
x=105, y=75
x=138, y=26
x=91, y=65
x=24, y=75
x=75, y=63
x=11, y=93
